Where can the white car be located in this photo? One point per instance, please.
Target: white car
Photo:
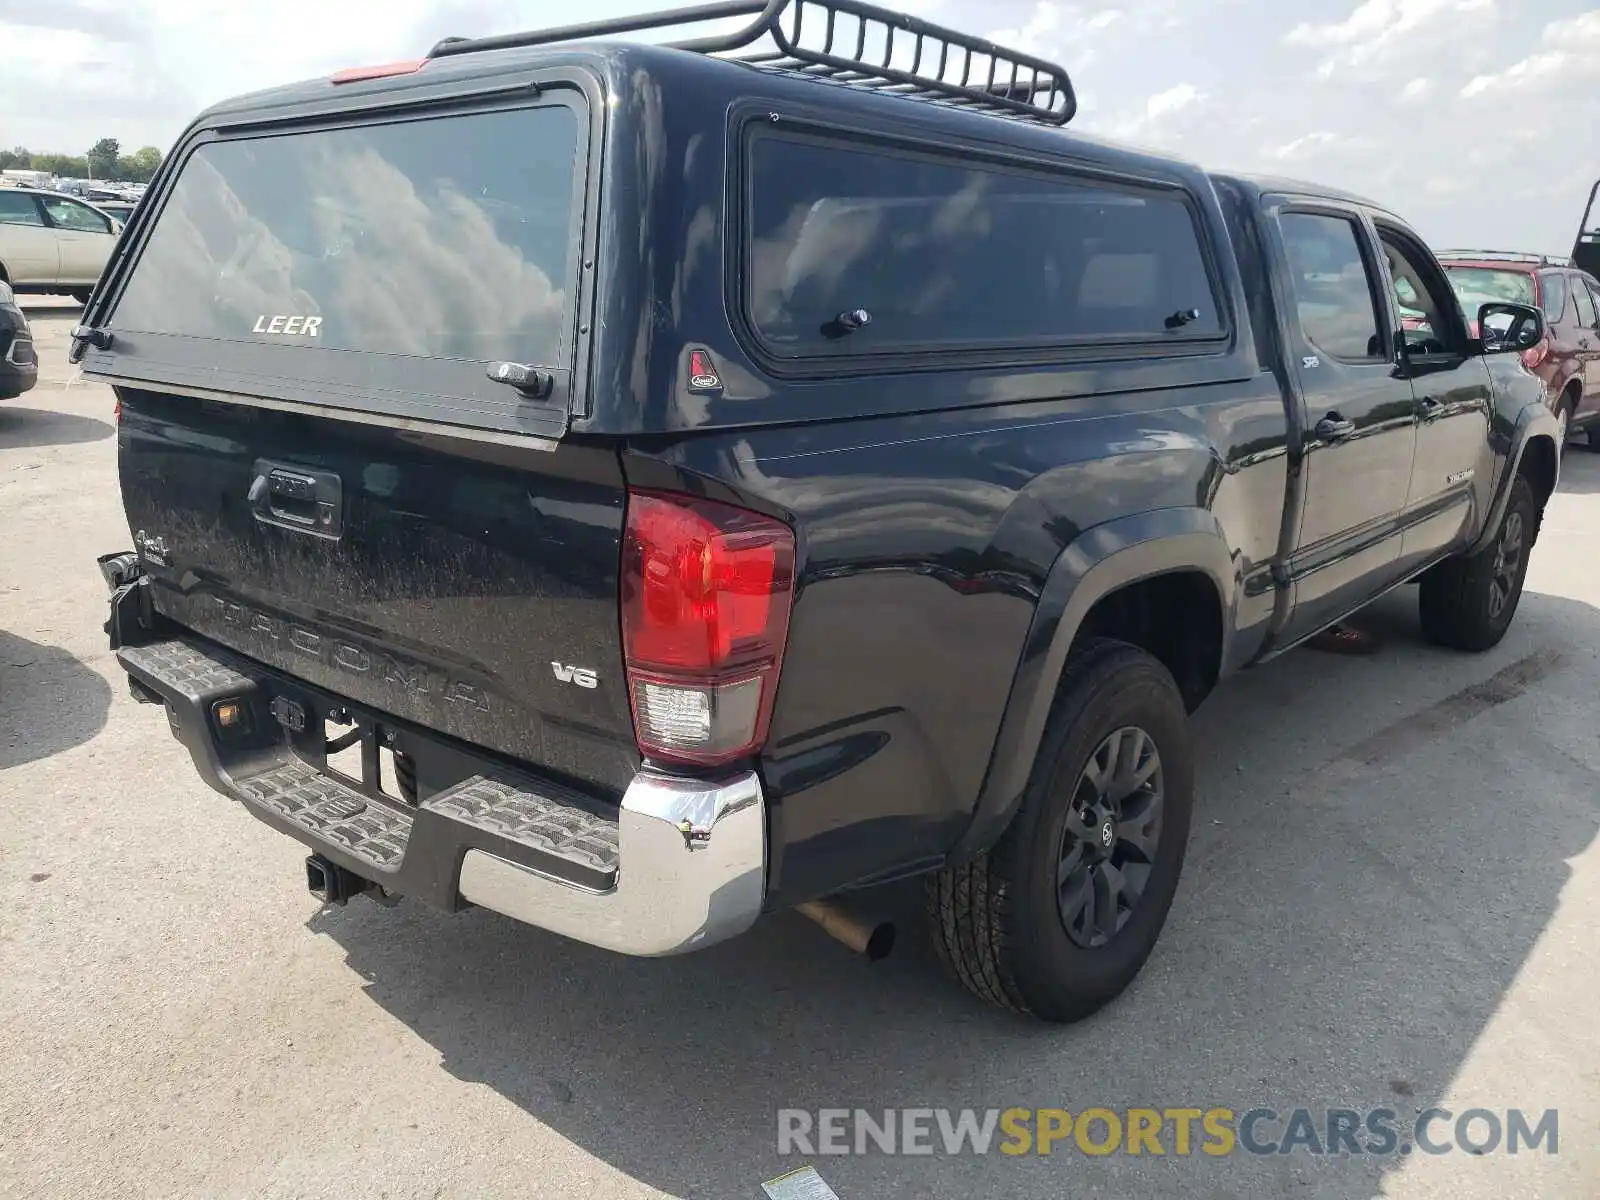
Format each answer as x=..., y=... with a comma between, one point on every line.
x=53, y=243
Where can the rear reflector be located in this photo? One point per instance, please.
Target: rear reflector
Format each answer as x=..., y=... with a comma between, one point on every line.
x=706, y=595
x=383, y=71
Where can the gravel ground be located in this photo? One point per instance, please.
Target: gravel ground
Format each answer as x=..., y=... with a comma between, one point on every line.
x=1389, y=902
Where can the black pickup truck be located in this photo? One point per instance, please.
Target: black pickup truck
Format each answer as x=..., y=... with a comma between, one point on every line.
x=634, y=488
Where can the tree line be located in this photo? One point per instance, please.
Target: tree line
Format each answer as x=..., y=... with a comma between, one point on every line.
x=104, y=160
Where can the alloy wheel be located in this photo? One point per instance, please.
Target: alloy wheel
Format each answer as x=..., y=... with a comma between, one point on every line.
x=1507, y=564
x=1112, y=831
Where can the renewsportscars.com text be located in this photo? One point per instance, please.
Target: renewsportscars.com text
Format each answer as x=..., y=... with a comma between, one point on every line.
x=1183, y=1132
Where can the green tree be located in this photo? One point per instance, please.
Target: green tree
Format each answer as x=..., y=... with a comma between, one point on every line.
x=139, y=166
x=21, y=160
x=61, y=164
x=146, y=160
x=103, y=158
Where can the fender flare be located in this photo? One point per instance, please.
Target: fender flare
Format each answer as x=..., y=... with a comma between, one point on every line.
x=1098, y=562
x=1534, y=421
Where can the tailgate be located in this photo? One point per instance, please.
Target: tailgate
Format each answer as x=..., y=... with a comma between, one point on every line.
x=346, y=347
x=467, y=586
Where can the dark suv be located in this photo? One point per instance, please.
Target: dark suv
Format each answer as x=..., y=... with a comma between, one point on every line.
x=1568, y=358
x=635, y=489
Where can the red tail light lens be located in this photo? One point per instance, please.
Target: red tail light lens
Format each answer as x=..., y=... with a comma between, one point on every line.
x=1534, y=355
x=706, y=594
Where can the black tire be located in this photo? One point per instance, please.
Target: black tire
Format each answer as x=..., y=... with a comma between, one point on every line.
x=1468, y=603
x=997, y=921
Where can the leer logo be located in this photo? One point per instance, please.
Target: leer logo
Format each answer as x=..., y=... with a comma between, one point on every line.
x=289, y=325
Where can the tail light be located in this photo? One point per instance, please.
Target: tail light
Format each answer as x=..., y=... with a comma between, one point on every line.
x=1534, y=355
x=706, y=595
x=384, y=71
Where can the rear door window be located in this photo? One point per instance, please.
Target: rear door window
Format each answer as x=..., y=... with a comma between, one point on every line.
x=954, y=255
x=447, y=242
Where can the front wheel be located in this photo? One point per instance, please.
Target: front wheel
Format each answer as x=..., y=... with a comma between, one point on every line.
x=1060, y=916
x=1468, y=603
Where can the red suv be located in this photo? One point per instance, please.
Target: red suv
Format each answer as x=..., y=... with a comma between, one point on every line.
x=1568, y=360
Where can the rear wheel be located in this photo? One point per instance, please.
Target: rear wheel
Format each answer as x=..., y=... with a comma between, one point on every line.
x=1060, y=916
x=1468, y=603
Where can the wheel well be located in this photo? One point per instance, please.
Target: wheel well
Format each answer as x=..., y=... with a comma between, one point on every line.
x=1539, y=468
x=1176, y=617
x=1572, y=393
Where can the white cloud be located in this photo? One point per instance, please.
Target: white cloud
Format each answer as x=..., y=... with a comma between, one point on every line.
x=1380, y=34
x=1306, y=144
x=1417, y=89
x=1172, y=100
x=1576, y=52
x=1368, y=20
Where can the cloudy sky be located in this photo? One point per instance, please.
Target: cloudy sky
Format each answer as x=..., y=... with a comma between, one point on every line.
x=1478, y=120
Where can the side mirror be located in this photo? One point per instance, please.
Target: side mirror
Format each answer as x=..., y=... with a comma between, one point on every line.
x=1506, y=328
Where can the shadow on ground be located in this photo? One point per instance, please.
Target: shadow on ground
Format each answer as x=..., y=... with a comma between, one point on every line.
x=49, y=701
x=1339, y=940
x=25, y=427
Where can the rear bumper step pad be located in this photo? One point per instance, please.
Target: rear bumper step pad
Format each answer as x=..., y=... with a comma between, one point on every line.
x=681, y=863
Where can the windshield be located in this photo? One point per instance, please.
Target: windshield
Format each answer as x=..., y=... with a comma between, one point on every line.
x=1485, y=285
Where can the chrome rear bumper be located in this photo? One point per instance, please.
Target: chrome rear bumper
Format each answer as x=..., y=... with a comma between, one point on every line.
x=691, y=871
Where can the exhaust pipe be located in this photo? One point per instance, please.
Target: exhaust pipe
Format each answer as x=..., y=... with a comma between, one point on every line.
x=864, y=935
x=331, y=883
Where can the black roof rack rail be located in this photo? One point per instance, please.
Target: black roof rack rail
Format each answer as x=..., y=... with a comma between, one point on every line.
x=1543, y=260
x=935, y=63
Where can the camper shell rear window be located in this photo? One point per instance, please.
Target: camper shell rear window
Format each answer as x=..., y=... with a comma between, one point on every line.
x=962, y=254
x=377, y=265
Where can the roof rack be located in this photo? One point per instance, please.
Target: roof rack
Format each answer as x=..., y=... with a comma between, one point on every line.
x=1542, y=260
x=909, y=56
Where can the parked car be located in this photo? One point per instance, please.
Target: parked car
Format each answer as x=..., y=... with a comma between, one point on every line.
x=19, y=364
x=117, y=210
x=717, y=488
x=53, y=243
x=1568, y=357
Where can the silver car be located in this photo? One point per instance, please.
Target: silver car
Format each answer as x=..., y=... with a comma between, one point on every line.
x=53, y=243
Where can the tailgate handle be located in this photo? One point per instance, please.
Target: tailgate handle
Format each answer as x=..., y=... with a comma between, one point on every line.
x=297, y=498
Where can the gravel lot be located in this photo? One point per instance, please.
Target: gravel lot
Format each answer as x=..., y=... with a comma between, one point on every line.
x=1390, y=901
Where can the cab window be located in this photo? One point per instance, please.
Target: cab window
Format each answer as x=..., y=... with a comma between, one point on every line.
x=69, y=214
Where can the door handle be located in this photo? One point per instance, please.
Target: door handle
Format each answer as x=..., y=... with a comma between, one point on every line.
x=1431, y=408
x=1334, y=428
x=290, y=497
